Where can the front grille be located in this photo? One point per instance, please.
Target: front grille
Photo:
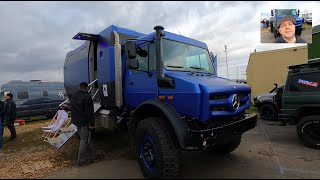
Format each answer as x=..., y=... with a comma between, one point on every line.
x=219, y=108
x=220, y=102
x=218, y=96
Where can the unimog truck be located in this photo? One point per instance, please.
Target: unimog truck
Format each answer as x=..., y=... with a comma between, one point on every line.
x=164, y=89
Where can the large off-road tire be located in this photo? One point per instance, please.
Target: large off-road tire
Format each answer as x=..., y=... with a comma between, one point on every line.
x=228, y=147
x=268, y=112
x=271, y=27
x=308, y=130
x=157, y=149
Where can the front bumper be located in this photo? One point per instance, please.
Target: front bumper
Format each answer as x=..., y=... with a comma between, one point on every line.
x=256, y=102
x=222, y=134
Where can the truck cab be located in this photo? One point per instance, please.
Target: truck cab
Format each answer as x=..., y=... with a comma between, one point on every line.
x=163, y=87
x=279, y=13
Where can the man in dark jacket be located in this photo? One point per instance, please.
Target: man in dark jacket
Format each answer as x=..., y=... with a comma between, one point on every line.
x=9, y=115
x=82, y=115
x=287, y=29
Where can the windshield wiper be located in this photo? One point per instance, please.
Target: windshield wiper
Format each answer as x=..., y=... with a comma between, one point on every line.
x=178, y=67
x=172, y=66
x=200, y=68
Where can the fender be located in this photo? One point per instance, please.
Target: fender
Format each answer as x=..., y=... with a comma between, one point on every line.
x=179, y=125
x=270, y=101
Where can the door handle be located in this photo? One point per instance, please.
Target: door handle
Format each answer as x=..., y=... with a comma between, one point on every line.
x=131, y=83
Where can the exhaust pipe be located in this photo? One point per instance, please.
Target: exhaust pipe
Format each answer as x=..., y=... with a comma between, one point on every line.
x=118, y=67
x=161, y=79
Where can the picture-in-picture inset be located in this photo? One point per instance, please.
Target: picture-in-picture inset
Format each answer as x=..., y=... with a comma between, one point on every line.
x=286, y=26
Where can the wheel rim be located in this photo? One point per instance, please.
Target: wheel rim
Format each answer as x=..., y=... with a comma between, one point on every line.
x=267, y=113
x=147, y=152
x=312, y=130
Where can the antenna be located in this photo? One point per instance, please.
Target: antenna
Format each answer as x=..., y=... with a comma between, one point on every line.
x=225, y=47
x=178, y=28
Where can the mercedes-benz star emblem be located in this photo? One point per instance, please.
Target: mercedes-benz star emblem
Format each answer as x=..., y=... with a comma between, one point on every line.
x=235, y=102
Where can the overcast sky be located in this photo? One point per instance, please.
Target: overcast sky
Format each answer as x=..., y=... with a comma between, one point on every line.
x=35, y=36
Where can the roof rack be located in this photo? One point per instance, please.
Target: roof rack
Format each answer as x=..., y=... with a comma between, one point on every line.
x=311, y=63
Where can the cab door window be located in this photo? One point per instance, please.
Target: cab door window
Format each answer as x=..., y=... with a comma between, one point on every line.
x=147, y=59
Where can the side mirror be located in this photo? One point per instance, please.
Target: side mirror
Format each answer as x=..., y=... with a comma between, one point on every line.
x=271, y=12
x=141, y=52
x=133, y=64
x=131, y=49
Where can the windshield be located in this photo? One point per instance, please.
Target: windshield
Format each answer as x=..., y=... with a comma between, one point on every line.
x=285, y=12
x=178, y=56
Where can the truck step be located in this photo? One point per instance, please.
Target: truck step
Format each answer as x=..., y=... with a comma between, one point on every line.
x=65, y=135
x=96, y=106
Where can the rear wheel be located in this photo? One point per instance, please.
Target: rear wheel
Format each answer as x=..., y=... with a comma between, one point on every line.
x=308, y=130
x=157, y=151
x=268, y=112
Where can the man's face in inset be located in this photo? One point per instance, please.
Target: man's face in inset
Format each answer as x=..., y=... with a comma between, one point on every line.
x=287, y=29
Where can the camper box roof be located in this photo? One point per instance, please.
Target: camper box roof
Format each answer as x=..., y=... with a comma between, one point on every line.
x=107, y=36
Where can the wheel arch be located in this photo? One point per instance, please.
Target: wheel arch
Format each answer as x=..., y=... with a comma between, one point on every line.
x=157, y=108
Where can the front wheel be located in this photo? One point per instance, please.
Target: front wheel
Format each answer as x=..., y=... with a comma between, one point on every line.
x=268, y=112
x=308, y=130
x=157, y=149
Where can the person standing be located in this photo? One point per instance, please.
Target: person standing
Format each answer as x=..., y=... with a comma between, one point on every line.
x=9, y=115
x=82, y=115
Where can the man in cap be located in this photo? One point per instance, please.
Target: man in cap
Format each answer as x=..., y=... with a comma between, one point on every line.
x=82, y=115
x=286, y=27
x=9, y=115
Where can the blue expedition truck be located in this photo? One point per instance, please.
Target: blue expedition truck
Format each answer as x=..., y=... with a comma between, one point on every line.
x=163, y=88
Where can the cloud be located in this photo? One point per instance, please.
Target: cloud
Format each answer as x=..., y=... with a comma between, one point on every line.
x=35, y=36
